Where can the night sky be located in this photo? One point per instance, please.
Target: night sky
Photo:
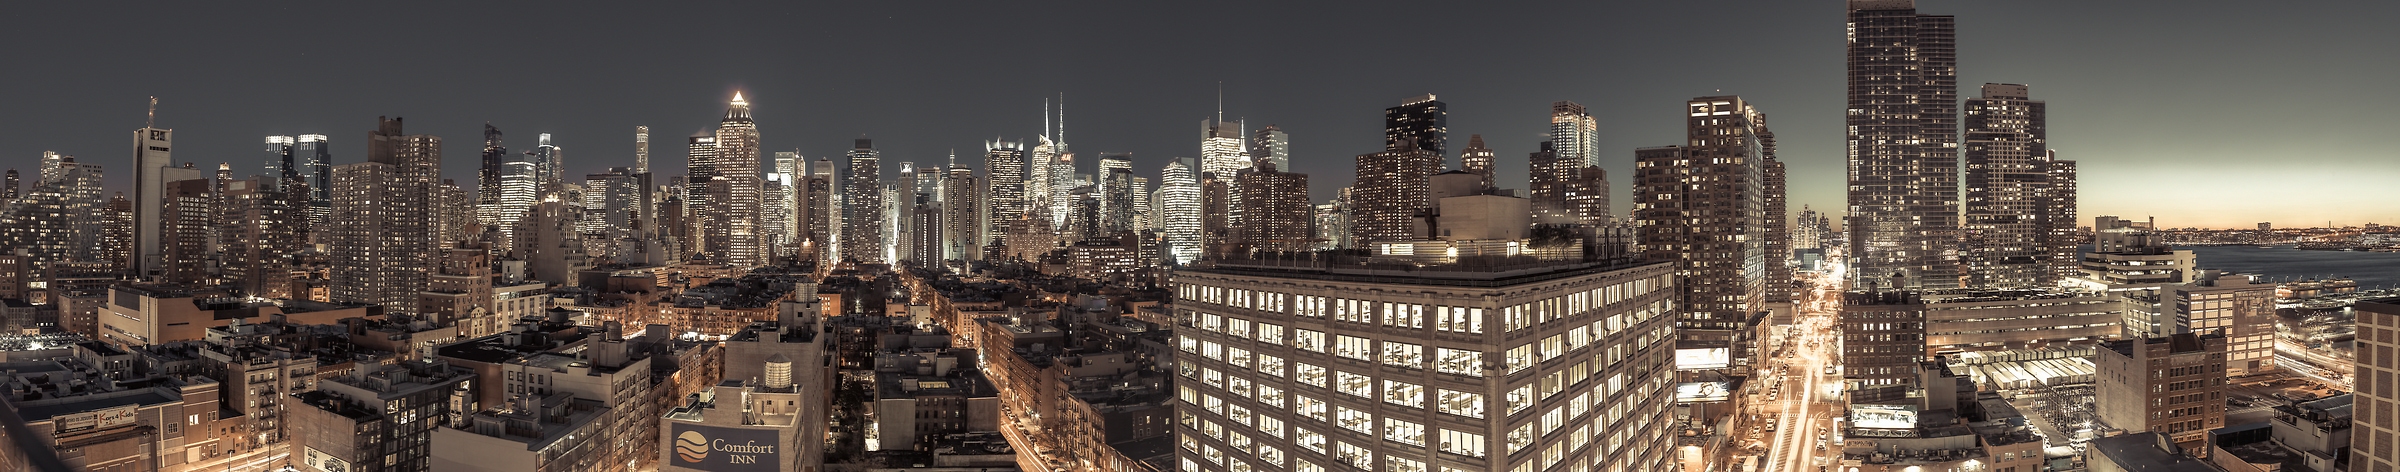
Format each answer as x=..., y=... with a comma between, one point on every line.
x=2215, y=114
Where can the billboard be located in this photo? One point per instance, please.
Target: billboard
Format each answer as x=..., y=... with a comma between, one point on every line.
x=724, y=449
x=1703, y=358
x=1883, y=416
x=323, y=462
x=1691, y=392
x=96, y=419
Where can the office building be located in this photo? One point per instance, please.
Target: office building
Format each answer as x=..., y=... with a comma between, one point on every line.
x=1222, y=153
x=1558, y=169
x=819, y=214
x=1478, y=160
x=1448, y=368
x=1005, y=164
x=488, y=180
x=963, y=214
x=730, y=220
x=1883, y=340
x=1421, y=122
x=1271, y=144
x=2238, y=306
x=1704, y=205
x=1179, y=210
x=2172, y=385
x=382, y=242
x=862, y=206
x=1216, y=215
x=1114, y=186
x=315, y=156
x=1902, y=139
x=153, y=168
x=1277, y=208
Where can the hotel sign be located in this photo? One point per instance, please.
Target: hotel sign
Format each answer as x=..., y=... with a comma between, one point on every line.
x=724, y=449
x=99, y=419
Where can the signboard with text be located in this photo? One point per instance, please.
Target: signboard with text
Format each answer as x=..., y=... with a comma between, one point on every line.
x=724, y=449
x=1703, y=358
x=1883, y=416
x=96, y=419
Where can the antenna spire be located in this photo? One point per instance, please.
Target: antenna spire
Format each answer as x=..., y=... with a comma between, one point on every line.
x=1045, y=116
x=152, y=120
x=1220, y=101
x=1062, y=118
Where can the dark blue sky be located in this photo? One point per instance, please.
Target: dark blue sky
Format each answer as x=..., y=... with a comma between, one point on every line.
x=2201, y=113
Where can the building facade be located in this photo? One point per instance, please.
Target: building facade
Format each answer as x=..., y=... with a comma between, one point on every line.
x=1903, y=145
x=382, y=242
x=1313, y=369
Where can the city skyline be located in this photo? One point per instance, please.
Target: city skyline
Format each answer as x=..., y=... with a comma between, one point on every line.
x=2120, y=118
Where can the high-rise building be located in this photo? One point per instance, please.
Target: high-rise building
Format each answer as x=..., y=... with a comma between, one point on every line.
x=153, y=168
x=1116, y=199
x=258, y=224
x=2172, y=385
x=315, y=156
x=2060, y=236
x=924, y=238
x=519, y=188
x=963, y=212
x=382, y=242
x=612, y=208
x=280, y=163
x=548, y=170
x=1478, y=160
x=901, y=202
x=1805, y=235
x=2006, y=230
x=1902, y=145
x=862, y=205
x=1216, y=225
x=1272, y=145
x=1322, y=369
x=1063, y=183
x=9, y=195
x=52, y=221
x=730, y=220
x=1037, y=199
x=1421, y=122
x=1004, y=162
x=1143, y=213
x=1278, y=212
x=1782, y=289
x=2378, y=332
x=489, y=181
x=819, y=214
x=1703, y=205
x=185, y=227
x=1179, y=210
x=1222, y=153
x=1332, y=224
x=1391, y=190
x=1568, y=185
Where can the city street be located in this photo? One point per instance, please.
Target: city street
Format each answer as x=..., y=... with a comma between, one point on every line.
x=1805, y=384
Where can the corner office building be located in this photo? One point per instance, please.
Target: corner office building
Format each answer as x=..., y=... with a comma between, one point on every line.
x=1564, y=367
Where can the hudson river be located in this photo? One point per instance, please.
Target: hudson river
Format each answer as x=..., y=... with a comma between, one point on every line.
x=2371, y=269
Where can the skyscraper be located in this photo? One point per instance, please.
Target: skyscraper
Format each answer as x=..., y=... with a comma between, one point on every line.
x=1478, y=160
x=1903, y=145
x=1222, y=153
x=862, y=205
x=489, y=181
x=279, y=159
x=184, y=230
x=1179, y=210
x=901, y=214
x=2006, y=233
x=2058, y=202
x=1004, y=164
x=520, y=182
x=1568, y=185
x=315, y=156
x=382, y=241
x=1216, y=227
x=1703, y=205
x=153, y=167
x=1272, y=145
x=1116, y=193
x=819, y=214
x=730, y=219
x=258, y=227
x=1279, y=210
x=548, y=170
x=1391, y=189
x=1421, y=120
x=963, y=213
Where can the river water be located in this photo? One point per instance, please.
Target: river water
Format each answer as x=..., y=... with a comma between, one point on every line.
x=2370, y=269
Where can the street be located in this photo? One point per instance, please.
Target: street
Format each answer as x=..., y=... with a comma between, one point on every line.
x=1805, y=382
